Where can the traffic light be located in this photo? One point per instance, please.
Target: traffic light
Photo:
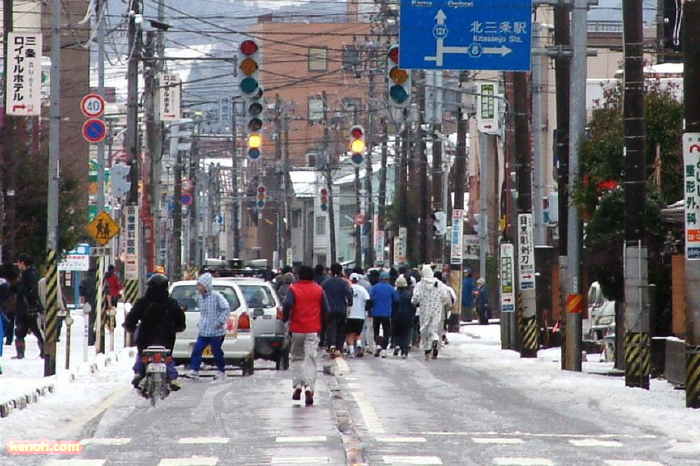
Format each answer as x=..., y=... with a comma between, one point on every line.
x=261, y=196
x=249, y=84
x=357, y=144
x=324, y=199
x=399, y=80
x=249, y=66
x=439, y=223
x=119, y=175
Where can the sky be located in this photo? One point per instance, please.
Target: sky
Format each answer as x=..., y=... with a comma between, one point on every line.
x=59, y=415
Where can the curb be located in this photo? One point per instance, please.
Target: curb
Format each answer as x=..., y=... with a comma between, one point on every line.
x=32, y=396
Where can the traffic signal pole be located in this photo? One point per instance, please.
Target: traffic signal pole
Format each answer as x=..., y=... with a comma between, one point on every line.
x=691, y=139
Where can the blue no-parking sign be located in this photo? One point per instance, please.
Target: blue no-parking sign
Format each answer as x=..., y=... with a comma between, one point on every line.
x=94, y=130
x=459, y=35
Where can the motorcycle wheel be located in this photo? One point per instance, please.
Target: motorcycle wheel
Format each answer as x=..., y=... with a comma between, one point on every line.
x=152, y=390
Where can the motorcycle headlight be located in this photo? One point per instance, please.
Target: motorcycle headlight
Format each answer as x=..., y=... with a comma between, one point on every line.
x=606, y=320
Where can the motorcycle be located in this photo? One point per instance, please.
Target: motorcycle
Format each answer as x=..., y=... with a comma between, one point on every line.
x=154, y=386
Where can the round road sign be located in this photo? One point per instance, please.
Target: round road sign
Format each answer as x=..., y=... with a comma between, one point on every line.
x=92, y=105
x=186, y=184
x=186, y=199
x=94, y=130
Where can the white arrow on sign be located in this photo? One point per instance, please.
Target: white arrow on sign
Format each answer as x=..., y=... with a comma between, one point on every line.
x=474, y=50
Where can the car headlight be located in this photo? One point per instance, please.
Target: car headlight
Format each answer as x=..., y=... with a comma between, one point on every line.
x=606, y=320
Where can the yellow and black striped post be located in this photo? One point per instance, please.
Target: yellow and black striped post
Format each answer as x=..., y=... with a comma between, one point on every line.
x=131, y=291
x=637, y=360
x=692, y=376
x=51, y=313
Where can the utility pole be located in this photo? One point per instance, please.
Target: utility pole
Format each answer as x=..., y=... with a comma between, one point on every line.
x=329, y=180
x=381, y=211
x=99, y=13
x=562, y=76
x=691, y=139
x=177, y=208
x=529, y=330
x=637, y=340
x=52, y=231
x=369, y=211
x=234, y=183
x=132, y=116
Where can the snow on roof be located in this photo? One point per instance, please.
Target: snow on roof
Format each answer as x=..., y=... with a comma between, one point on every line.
x=304, y=183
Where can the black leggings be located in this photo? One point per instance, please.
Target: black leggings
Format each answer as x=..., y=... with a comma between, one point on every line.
x=385, y=322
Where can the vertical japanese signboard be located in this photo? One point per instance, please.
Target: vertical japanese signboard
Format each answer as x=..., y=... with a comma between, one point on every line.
x=169, y=97
x=23, y=85
x=691, y=173
x=487, y=108
x=379, y=239
x=507, y=278
x=400, y=246
x=131, y=249
x=526, y=252
x=457, y=237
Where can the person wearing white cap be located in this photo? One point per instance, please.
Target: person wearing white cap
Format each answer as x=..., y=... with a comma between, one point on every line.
x=431, y=295
x=482, y=301
x=356, y=317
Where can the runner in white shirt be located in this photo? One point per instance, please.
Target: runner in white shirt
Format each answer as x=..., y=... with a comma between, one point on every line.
x=356, y=317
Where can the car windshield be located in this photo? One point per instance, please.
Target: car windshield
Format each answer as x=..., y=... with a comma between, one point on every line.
x=257, y=295
x=186, y=295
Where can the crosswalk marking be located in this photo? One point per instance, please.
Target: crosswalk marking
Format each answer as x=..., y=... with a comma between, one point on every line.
x=401, y=439
x=310, y=438
x=591, y=442
x=198, y=440
x=105, y=441
x=300, y=460
x=388, y=459
x=632, y=463
x=191, y=461
x=523, y=462
x=498, y=440
x=74, y=462
x=372, y=422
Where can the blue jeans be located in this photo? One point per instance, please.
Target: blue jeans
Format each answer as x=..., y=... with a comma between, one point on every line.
x=200, y=344
x=140, y=368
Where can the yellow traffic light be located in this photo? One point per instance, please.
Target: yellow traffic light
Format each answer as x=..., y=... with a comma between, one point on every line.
x=357, y=146
x=254, y=141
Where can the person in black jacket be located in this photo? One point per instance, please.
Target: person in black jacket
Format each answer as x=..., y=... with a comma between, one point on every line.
x=28, y=309
x=158, y=318
x=339, y=294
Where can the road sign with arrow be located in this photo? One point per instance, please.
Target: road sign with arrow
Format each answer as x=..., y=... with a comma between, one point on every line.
x=473, y=34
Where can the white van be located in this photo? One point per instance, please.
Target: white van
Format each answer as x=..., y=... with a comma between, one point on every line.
x=601, y=312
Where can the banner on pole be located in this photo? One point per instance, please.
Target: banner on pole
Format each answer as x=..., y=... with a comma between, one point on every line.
x=23, y=80
x=457, y=237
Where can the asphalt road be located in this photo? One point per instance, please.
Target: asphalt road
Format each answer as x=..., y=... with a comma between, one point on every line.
x=371, y=411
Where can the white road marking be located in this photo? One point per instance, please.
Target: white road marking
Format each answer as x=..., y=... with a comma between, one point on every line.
x=300, y=460
x=523, y=462
x=632, y=463
x=198, y=440
x=74, y=462
x=105, y=441
x=411, y=459
x=343, y=367
x=401, y=439
x=353, y=385
x=498, y=440
x=591, y=442
x=191, y=461
x=372, y=422
x=311, y=438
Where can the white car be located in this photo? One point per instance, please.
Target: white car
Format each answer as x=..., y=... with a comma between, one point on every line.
x=272, y=338
x=239, y=343
x=601, y=315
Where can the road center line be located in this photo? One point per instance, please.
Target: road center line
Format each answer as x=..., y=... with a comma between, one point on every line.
x=311, y=438
x=198, y=440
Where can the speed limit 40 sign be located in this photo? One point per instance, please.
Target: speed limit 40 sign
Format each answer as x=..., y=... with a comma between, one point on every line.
x=92, y=105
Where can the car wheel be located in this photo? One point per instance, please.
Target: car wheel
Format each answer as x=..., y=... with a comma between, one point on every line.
x=282, y=362
x=248, y=366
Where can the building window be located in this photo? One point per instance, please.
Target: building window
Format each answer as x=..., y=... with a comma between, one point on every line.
x=320, y=225
x=316, y=110
x=318, y=59
x=351, y=58
x=296, y=218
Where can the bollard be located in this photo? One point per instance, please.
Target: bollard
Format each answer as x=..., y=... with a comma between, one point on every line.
x=68, y=321
x=87, y=309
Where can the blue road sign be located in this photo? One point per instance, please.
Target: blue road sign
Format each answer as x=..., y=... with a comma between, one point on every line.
x=465, y=34
x=94, y=130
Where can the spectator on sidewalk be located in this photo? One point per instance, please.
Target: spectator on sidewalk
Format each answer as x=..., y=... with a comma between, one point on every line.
x=113, y=286
x=28, y=308
x=88, y=294
x=304, y=308
x=482, y=301
x=10, y=273
x=468, y=289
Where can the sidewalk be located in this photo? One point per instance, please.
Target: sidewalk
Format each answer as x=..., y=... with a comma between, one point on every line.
x=22, y=382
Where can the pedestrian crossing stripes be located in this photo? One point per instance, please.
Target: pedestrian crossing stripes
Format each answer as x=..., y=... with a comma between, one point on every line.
x=202, y=440
x=632, y=463
x=191, y=461
x=300, y=460
x=499, y=440
x=402, y=439
x=309, y=439
x=417, y=460
x=523, y=462
x=591, y=442
x=105, y=441
x=74, y=462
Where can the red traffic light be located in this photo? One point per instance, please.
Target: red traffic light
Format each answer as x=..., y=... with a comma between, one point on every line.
x=248, y=47
x=357, y=132
x=394, y=54
x=324, y=192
